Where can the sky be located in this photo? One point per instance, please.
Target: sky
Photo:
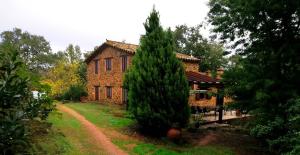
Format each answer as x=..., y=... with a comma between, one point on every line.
x=88, y=23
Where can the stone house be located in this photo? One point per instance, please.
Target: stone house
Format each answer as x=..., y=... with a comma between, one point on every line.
x=107, y=64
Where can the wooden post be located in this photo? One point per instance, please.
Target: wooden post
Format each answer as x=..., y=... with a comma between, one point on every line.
x=220, y=103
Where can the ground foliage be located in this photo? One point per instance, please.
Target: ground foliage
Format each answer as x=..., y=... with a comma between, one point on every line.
x=74, y=93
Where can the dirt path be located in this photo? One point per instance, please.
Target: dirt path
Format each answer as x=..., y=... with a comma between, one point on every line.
x=207, y=139
x=94, y=132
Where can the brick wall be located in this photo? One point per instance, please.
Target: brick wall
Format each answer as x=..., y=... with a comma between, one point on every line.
x=202, y=102
x=191, y=66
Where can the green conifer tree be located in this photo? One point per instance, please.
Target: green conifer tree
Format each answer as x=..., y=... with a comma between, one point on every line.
x=157, y=86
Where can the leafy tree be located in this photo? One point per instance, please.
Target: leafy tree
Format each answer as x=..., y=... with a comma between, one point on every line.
x=266, y=79
x=156, y=82
x=190, y=41
x=33, y=49
x=60, y=56
x=213, y=59
x=82, y=71
x=17, y=103
x=73, y=53
x=61, y=77
x=68, y=74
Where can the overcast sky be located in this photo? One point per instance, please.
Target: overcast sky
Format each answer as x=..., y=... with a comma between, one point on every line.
x=88, y=23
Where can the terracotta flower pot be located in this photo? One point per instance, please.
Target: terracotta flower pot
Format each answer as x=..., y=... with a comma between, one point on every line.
x=238, y=113
x=174, y=134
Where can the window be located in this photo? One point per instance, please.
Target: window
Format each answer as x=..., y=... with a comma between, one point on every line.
x=108, y=92
x=108, y=64
x=96, y=66
x=124, y=95
x=124, y=63
x=199, y=96
x=96, y=93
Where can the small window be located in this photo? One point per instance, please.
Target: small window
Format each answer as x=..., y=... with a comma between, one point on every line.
x=108, y=92
x=96, y=66
x=108, y=64
x=124, y=63
x=199, y=96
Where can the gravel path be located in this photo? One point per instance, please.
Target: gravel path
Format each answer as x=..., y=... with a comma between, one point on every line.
x=94, y=132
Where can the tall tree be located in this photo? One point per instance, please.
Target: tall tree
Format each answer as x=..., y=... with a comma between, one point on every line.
x=190, y=41
x=33, y=49
x=213, y=59
x=82, y=71
x=73, y=53
x=68, y=72
x=266, y=82
x=61, y=77
x=158, y=89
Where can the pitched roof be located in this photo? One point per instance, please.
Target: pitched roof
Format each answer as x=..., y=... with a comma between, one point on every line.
x=131, y=49
x=198, y=77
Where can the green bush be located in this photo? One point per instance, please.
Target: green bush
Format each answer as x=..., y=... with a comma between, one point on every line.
x=156, y=82
x=40, y=107
x=289, y=141
x=74, y=93
x=17, y=104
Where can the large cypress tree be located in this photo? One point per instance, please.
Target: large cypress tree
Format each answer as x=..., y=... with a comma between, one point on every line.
x=156, y=82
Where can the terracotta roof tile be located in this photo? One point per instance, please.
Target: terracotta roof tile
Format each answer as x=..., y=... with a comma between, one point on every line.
x=198, y=77
x=131, y=49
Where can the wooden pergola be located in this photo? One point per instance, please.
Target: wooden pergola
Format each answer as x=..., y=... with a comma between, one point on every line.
x=206, y=82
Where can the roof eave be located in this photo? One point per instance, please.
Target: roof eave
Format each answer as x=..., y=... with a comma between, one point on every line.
x=104, y=45
x=189, y=60
x=94, y=53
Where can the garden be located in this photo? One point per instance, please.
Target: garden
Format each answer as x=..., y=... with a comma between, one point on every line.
x=261, y=76
x=68, y=135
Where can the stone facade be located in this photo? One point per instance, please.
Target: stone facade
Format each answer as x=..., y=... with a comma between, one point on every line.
x=114, y=77
x=191, y=66
x=105, y=80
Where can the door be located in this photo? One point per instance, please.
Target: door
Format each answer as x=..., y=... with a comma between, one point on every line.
x=97, y=93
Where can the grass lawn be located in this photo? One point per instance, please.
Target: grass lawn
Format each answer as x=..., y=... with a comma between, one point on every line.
x=111, y=119
x=104, y=116
x=66, y=136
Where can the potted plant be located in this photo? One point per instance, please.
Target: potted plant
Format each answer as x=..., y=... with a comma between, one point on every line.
x=174, y=133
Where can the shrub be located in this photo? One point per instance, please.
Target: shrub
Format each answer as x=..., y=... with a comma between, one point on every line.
x=287, y=142
x=74, y=93
x=17, y=103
